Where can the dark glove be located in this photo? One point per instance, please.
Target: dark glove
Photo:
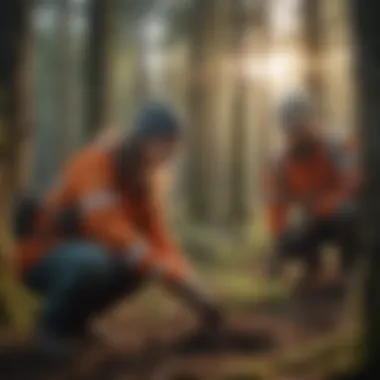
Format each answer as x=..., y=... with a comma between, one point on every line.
x=211, y=329
x=212, y=317
x=200, y=301
x=347, y=209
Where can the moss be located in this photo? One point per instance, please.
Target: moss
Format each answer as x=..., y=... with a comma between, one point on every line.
x=19, y=305
x=239, y=289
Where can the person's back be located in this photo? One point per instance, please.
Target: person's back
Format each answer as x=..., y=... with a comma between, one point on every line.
x=57, y=217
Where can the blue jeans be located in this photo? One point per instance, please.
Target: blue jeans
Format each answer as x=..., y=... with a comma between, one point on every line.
x=77, y=280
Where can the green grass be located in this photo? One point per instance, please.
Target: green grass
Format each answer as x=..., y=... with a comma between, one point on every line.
x=243, y=289
x=228, y=262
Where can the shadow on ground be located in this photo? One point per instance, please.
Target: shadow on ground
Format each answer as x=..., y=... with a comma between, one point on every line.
x=20, y=363
x=254, y=333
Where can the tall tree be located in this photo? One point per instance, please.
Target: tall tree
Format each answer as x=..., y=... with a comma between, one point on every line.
x=14, y=116
x=98, y=64
x=247, y=20
x=312, y=32
x=200, y=86
x=64, y=78
x=365, y=14
x=263, y=109
x=239, y=25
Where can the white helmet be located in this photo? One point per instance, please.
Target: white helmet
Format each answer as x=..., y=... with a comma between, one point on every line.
x=295, y=108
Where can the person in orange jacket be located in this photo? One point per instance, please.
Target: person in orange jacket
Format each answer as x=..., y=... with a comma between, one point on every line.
x=319, y=176
x=99, y=234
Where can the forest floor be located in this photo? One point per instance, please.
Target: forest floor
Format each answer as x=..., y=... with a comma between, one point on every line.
x=271, y=332
x=297, y=338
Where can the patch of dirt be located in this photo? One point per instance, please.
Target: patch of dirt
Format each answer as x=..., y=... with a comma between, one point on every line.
x=315, y=309
x=228, y=342
x=100, y=363
x=266, y=328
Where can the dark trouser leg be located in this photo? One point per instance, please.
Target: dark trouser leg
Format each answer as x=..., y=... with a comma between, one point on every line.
x=301, y=243
x=345, y=225
x=313, y=261
x=123, y=283
x=77, y=280
x=349, y=254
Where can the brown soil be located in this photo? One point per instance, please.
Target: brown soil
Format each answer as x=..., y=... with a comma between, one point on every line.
x=177, y=353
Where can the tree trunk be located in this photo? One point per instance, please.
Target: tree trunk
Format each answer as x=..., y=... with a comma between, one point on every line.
x=239, y=206
x=244, y=22
x=200, y=89
x=312, y=33
x=141, y=93
x=238, y=128
x=98, y=56
x=366, y=15
x=14, y=119
x=65, y=86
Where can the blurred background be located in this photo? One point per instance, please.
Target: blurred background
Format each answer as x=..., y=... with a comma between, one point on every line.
x=77, y=70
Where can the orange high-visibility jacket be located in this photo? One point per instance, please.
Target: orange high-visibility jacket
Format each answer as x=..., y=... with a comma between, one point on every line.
x=319, y=183
x=109, y=215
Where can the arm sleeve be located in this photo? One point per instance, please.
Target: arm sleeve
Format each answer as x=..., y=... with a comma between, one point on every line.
x=351, y=168
x=104, y=220
x=277, y=218
x=176, y=275
x=158, y=236
x=345, y=179
x=327, y=203
x=178, y=278
x=277, y=200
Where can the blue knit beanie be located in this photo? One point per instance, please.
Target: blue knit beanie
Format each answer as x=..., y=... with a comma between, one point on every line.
x=297, y=107
x=157, y=121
